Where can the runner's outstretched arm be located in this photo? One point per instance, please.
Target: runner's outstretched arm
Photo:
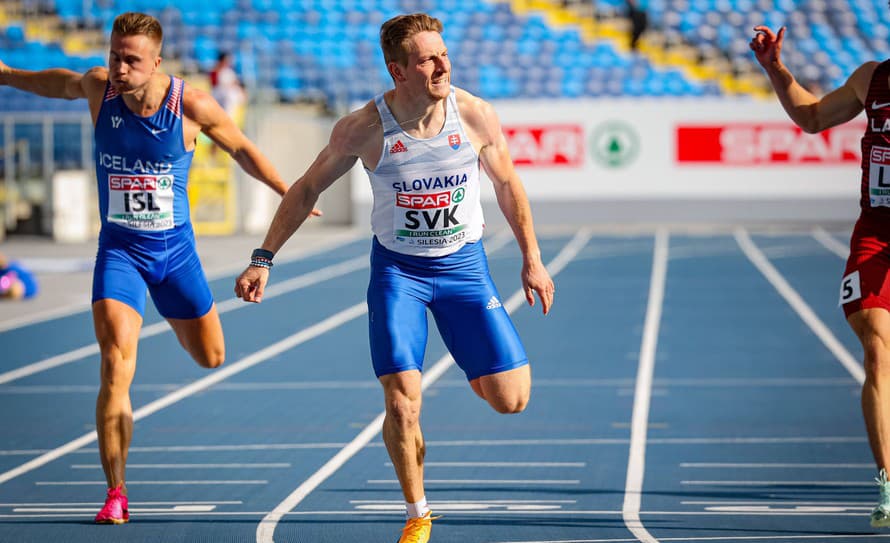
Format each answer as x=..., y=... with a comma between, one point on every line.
x=806, y=110
x=332, y=163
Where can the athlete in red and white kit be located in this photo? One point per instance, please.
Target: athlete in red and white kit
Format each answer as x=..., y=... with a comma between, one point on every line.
x=865, y=288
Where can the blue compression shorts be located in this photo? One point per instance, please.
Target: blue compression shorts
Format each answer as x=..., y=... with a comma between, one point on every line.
x=168, y=267
x=459, y=292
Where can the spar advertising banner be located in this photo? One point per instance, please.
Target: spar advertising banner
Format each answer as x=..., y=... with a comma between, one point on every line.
x=691, y=148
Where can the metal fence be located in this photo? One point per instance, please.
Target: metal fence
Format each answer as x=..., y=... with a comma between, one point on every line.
x=36, y=146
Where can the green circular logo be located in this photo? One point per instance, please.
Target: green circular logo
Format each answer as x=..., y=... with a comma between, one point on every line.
x=165, y=182
x=614, y=144
x=457, y=196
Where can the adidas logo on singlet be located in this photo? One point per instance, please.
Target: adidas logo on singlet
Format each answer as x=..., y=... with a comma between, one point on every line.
x=399, y=147
x=493, y=303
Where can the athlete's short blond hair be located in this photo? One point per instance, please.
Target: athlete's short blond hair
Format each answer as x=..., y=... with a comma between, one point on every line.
x=395, y=33
x=138, y=24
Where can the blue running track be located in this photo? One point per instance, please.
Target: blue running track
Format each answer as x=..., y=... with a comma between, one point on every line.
x=688, y=386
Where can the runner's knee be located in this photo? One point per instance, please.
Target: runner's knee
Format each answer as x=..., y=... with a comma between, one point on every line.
x=877, y=356
x=509, y=404
x=402, y=411
x=116, y=371
x=210, y=357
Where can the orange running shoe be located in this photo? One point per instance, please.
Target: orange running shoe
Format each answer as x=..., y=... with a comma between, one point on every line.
x=417, y=530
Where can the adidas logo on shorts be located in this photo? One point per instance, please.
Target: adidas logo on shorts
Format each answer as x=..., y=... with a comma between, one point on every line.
x=493, y=303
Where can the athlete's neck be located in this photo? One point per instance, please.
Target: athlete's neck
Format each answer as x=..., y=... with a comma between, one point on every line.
x=419, y=116
x=147, y=100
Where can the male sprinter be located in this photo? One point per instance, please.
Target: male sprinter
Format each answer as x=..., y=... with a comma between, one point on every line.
x=421, y=144
x=146, y=124
x=865, y=290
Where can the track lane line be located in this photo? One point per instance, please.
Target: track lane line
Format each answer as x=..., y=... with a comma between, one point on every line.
x=231, y=304
x=636, y=461
x=266, y=528
x=756, y=256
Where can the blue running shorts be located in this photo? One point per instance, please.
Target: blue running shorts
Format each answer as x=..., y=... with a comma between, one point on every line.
x=458, y=290
x=166, y=264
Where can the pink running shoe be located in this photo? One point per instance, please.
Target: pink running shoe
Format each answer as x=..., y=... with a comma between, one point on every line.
x=115, y=510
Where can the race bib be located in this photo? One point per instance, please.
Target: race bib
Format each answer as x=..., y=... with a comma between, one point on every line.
x=850, y=289
x=879, y=177
x=141, y=202
x=433, y=219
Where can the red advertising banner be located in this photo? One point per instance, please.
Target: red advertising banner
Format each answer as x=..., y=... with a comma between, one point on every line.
x=767, y=144
x=546, y=146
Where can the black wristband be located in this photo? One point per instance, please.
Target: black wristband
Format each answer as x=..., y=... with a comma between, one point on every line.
x=262, y=253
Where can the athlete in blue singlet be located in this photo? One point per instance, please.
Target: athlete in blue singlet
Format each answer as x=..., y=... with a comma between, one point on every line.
x=422, y=144
x=146, y=125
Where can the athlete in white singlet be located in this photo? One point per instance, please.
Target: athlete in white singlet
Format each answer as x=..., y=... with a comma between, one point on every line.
x=422, y=144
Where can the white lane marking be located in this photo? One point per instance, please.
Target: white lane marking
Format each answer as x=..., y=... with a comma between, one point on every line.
x=791, y=509
x=270, y=465
x=130, y=483
x=400, y=512
x=438, y=502
x=778, y=483
x=462, y=507
x=482, y=481
x=767, y=502
x=212, y=275
x=706, y=538
x=266, y=528
x=218, y=375
x=174, y=509
x=831, y=243
x=799, y=305
x=472, y=443
x=502, y=464
x=636, y=462
x=100, y=504
x=301, y=281
x=451, y=383
x=759, y=465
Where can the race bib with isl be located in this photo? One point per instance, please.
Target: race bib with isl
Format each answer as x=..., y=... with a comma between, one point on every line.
x=141, y=202
x=433, y=219
x=879, y=177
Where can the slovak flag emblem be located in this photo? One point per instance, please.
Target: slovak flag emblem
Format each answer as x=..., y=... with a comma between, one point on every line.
x=454, y=141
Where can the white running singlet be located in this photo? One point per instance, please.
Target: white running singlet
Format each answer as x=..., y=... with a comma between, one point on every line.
x=426, y=191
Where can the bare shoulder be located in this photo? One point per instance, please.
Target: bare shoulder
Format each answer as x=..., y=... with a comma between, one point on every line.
x=354, y=132
x=95, y=80
x=472, y=108
x=195, y=102
x=860, y=79
x=478, y=115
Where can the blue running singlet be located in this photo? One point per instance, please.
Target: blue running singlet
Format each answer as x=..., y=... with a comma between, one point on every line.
x=146, y=241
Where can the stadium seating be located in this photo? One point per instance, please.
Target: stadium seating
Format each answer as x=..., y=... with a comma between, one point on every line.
x=327, y=49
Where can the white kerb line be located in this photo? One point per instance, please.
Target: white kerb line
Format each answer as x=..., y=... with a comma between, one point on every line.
x=300, y=281
x=266, y=528
x=212, y=275
x=806, y=314
x=831, y=243
x=636, y=461
x=218, y=375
